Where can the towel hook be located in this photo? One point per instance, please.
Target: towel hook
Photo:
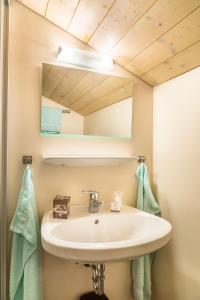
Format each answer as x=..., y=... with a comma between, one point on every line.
x=27, y=159
x=141, y=159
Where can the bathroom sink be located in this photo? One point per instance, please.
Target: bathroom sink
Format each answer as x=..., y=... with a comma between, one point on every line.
x=105, y=236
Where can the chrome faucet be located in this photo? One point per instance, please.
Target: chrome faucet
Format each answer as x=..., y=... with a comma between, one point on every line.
x=94, y=203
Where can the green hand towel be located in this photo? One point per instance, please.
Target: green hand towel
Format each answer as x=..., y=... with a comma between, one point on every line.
x=25, y=279
x=141, y=267
x=51, y=119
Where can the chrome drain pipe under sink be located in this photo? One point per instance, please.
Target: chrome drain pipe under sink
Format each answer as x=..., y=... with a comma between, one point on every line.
x=98, y=278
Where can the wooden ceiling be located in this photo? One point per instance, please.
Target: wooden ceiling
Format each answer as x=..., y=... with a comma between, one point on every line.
x=83, y=91
x=155, y=40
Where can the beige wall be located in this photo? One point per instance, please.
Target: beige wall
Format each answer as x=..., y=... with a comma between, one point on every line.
x=34, y=40
x=176, y=176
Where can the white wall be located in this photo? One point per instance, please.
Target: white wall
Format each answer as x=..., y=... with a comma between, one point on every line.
x=71, y=123
x=113, y=120
x=34, y=40
x=176, y=175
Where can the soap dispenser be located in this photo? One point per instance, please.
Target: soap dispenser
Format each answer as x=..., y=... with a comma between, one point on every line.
x=116, y=204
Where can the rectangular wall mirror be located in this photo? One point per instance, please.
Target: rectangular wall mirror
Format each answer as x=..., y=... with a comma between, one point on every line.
x=81, y=102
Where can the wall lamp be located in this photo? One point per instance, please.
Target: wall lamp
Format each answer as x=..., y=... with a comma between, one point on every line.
x=85, y=58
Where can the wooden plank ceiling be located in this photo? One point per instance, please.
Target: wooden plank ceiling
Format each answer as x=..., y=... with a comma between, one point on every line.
x=83, y=91
x=155, y=40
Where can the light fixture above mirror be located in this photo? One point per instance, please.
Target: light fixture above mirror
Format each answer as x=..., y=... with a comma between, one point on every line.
x=85, y=58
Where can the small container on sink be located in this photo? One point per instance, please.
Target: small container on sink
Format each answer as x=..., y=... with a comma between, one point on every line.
x=61, y=207
x=116, y=204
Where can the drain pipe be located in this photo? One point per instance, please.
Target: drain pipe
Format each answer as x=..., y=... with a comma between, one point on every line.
x=98, y=278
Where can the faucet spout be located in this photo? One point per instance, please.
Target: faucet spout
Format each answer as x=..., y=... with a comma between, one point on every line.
x=94, y=203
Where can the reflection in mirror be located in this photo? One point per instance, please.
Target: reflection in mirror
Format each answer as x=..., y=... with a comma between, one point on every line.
x=82, y=102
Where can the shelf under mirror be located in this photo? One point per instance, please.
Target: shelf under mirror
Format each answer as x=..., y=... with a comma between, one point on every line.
x=87, y=161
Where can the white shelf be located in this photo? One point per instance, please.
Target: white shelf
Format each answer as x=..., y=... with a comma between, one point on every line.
x=88, y=161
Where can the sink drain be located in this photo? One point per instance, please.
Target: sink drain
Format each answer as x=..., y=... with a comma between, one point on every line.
x=96, y=221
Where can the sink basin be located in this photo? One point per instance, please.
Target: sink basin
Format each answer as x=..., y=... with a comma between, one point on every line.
x=104, y=236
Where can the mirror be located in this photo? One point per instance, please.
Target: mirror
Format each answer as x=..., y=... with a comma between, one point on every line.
x=81, y=102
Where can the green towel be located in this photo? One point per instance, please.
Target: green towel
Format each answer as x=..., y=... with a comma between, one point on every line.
x=25, y=277
x=51, y=119
x=141, y=267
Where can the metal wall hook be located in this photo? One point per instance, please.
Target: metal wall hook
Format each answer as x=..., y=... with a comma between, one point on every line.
x=141, y=159
x=27, y=159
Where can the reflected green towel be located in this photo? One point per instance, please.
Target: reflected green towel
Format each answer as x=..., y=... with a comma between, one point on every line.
x=25, y=279
x=51, y=119
x=141, y=267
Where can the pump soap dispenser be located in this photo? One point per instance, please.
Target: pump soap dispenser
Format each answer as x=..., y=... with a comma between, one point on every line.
x=117, y=202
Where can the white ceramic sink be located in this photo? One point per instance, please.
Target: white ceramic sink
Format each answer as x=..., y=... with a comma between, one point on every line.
x=104, y=236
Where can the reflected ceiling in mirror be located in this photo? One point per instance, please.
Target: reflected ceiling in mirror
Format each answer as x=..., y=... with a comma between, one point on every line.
x=81, y=102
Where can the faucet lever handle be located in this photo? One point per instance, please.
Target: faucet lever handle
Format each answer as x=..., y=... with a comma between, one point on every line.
x=93, y=194
x=90, y=192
